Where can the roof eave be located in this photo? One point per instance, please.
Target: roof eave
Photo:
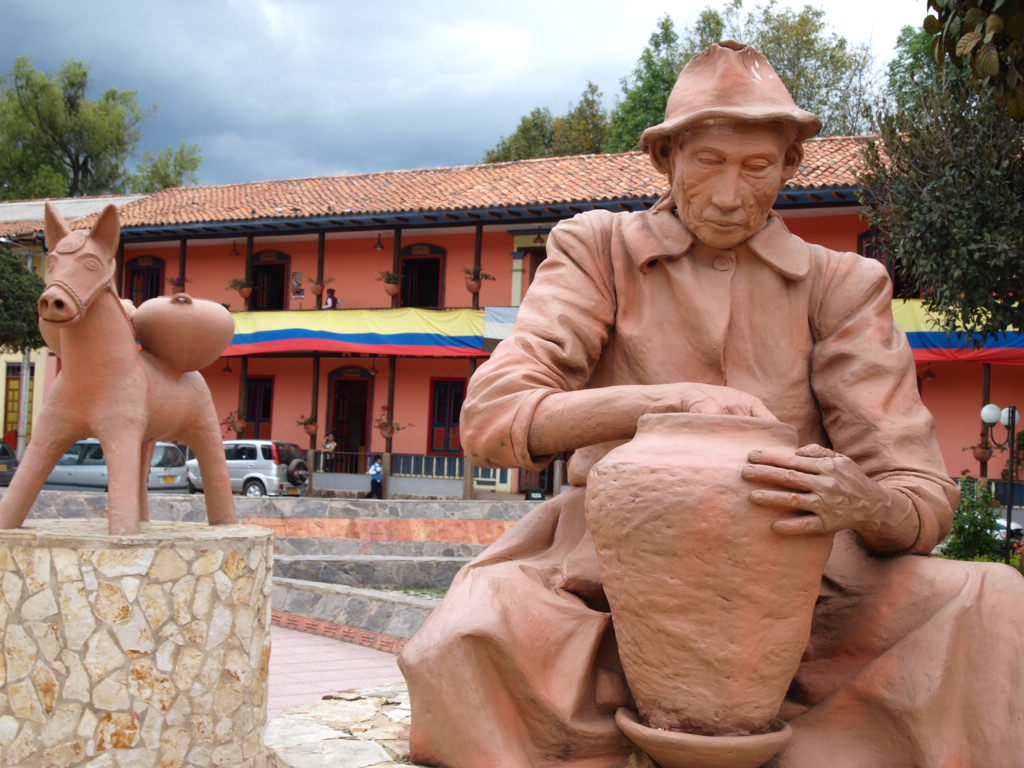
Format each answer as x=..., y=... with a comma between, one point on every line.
x=821, y=197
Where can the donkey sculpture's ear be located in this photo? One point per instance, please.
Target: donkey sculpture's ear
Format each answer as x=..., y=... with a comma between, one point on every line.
x=56, y=229
x=107, y=231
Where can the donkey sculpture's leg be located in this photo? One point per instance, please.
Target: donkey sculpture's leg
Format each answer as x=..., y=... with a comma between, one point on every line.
x=124, y=465
x=145, y=460
x=206, y=441
x=50, y=439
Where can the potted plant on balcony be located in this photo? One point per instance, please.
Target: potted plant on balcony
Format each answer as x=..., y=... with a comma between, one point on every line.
x=317, y=284
x=474, y=276
x=308, y=424
x=392, y=281
x=982, y=451
x=386, y=425
x=178, y=283
x=234, y=422
x=243, y=286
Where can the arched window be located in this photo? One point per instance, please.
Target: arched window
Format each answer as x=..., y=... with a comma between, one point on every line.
x=269, y=271
x=422, y=266
x=143, y=279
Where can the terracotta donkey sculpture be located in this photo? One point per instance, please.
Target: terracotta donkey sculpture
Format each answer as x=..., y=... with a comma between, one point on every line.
x=110, y=389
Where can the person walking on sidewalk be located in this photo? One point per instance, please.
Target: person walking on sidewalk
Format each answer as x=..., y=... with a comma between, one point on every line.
x=376, y=473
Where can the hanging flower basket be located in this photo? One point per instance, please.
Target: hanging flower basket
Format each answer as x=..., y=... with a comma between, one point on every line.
x=385, y=425
x=392, y=281
x=309, y=429
x=234, y=422
x=244, y=287
x=475, y=277
x=981, y=453
x=317, y=285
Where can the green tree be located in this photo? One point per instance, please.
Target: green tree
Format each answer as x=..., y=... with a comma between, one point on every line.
x=167, y=168
x=56, y=141
x=944, y=183
x=582, y=130
x=540, y=134
x=825, y=73
x=19, y=292
x=531, y=139
x=645, y=92
x=914, y=69
x=987, y=37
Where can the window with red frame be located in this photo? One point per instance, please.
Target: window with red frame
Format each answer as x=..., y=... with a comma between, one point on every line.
x=144, y=279
x=447, y=396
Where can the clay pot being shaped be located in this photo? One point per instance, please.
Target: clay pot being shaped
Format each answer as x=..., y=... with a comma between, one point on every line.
x=711, y=608
x=189, y=334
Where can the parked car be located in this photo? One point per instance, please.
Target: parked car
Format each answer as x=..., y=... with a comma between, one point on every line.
x=8, y=463
x=260, y=468
x=84, y=465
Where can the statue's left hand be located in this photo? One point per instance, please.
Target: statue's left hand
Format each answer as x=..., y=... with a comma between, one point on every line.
x=832, y=487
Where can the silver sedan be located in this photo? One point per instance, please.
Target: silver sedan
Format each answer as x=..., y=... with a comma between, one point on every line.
x=83, y=465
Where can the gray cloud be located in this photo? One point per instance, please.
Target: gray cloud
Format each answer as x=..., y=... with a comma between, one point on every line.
x=292, y=88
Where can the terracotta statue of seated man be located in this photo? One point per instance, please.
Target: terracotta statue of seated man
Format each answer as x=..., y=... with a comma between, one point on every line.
x=706, y=303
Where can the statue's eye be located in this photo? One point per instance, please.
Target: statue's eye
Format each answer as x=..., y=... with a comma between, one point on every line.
x=93, y=265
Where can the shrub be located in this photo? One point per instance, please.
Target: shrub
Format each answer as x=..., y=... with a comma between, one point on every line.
x=975, y=525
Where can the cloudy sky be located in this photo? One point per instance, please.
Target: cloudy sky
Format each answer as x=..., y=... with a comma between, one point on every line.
x=273, y=89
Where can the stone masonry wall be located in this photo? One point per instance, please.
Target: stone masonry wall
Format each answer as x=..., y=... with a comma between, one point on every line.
x=148, y=651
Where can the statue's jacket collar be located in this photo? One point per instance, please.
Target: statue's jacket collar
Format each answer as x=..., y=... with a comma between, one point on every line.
x=652, y=236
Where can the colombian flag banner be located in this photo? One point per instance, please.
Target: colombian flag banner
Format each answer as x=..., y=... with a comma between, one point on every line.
x=407, y=331
x=933, y=345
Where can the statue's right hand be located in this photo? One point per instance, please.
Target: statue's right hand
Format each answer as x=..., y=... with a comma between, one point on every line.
x=706, y=398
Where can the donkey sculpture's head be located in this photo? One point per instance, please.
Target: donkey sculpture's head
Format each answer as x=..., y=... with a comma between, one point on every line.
x=79, y=265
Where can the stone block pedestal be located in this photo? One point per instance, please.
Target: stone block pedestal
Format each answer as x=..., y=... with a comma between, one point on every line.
x=146, y=651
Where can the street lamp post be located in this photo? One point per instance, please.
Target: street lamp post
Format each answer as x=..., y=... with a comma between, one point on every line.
x=992, y=414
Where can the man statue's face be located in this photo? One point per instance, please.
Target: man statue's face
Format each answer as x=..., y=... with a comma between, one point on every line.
x=725, y=179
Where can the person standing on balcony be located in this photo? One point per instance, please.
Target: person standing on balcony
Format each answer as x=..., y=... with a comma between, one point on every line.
x=331, y=301
x=376, y=473
x=327, y=457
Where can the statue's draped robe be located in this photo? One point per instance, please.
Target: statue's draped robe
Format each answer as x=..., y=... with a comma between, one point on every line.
x=913, y=662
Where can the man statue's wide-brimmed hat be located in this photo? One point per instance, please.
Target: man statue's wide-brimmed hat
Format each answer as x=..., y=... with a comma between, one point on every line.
x=728, y=81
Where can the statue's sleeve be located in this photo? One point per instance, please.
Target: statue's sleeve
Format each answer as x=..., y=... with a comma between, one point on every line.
x=864, y=377
x=558, y=337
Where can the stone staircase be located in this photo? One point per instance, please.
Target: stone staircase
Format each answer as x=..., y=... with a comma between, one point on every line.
x=354, y=569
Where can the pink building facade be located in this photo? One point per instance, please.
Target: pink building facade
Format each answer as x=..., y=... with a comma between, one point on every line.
x=408, y=356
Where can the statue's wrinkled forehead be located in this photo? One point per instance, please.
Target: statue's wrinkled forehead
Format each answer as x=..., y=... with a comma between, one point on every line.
x=72, y=242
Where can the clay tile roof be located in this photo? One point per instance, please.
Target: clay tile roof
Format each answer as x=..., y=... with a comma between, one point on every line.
x=832, y=161
x=828, y=163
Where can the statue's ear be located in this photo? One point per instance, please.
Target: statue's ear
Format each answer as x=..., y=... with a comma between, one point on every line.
x=107, y=230
x=55, y=228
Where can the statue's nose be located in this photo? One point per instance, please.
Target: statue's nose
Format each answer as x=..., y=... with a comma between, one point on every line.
x=55, y=305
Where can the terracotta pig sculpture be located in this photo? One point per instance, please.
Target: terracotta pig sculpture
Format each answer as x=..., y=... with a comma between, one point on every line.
x=110, y=389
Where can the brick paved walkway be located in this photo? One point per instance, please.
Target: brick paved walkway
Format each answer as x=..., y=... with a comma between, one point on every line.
x=304, y=667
